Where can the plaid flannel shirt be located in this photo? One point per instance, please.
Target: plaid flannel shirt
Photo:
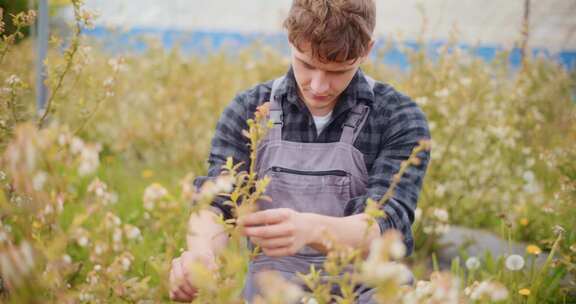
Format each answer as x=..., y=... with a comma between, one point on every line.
x=394, y=127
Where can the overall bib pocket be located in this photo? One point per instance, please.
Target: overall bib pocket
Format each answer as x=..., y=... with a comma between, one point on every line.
x=323, y=192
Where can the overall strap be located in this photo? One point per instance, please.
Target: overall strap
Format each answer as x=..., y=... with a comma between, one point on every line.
x=276, y=111
x=356, y=119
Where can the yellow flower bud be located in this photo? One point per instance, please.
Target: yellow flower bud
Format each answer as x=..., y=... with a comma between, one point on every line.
x=533, y=249
x=524, y=291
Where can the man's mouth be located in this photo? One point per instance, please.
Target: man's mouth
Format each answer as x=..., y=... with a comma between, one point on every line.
x=320, y=97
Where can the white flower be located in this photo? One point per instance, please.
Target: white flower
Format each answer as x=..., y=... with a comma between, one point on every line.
x=27, y=256
x=92, y=279
x=472, y=263
x=208, y=190
x=48, y=209
x=530, y=183
x=153, y=194
x=63, y=139
x=111, y=197
x=440, y=214
x=126, y=263
x=224, y=183
x=108, y=82
x=76, y=145
x=86, y=297
x=528, y=176
x=111, y=220
x=83, y=241
x=99, y=249
x=2, y=175
x=445, y=288
x=531, y=188
x=117, y=235
x=421, y=100
x=442, y=93
x=13, y=80
x=97, y=187
x=514, y=262
x=311, y=301
x=423, y=289
x=132, y=232
x=440, y=190
x=39, y=180
x=386, y=271
x=89, y=159
x=557, y=229
x=397, y=249
x=97, y=267
x=66, y=259
x=117, y=64
x=417, y=214
x=490, y=291
x=275, y=287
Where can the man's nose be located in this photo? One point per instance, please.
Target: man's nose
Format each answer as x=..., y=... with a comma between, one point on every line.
x=320, y=84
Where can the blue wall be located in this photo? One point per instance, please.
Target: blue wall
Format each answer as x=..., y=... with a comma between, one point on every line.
x=204, y=42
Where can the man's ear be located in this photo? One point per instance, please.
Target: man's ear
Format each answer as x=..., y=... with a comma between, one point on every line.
x=370, y=47
x=368, y=51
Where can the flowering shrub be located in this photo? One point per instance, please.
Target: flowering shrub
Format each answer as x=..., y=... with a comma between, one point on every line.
x=96, y=192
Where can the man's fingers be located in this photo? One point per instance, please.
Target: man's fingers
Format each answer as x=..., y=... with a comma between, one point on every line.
x=179, y=296
x=279, y=252
x=180, y=289
x=274, y=231
x=275, y=242
x=183, y=282
x=266, y=217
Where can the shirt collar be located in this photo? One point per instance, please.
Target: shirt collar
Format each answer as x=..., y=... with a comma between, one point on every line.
x=358, y=90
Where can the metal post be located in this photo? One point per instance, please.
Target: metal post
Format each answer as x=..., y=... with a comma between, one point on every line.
x=525, y=32
x=42, y=45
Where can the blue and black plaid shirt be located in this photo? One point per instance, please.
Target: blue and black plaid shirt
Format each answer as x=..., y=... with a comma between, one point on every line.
x=394, y=127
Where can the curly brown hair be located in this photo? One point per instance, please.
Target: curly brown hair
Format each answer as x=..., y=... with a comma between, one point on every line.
x=335, y=30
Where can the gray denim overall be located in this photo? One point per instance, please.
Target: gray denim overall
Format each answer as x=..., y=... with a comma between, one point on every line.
x=308, y=177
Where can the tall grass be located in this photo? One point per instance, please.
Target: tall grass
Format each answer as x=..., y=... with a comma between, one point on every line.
x=94, y=203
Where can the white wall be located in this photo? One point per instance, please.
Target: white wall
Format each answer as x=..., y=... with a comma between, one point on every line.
x=494, y=22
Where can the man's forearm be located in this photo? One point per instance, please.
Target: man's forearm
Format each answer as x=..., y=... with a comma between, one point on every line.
x=350, y=231
x=205, y=233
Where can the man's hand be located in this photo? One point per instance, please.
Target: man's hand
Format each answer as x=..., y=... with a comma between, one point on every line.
x=283, y=232
x=279, y=232
x=182, y=280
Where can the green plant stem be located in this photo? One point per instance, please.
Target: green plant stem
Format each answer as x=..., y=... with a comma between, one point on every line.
x=71, y=53
x=6, y=45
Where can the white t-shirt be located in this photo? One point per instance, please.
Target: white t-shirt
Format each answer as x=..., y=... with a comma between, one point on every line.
x=321, y=121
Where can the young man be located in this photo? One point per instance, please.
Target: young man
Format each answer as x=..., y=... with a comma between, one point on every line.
x=338, y=139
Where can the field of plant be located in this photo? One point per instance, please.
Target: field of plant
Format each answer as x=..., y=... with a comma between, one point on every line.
x=96, y=192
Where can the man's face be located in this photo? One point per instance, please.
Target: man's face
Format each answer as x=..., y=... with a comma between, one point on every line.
x=320, y=83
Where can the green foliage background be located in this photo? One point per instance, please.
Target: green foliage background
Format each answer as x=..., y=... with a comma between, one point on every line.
x=13, y=7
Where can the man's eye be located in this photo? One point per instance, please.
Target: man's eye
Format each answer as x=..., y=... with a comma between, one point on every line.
x=307, y=66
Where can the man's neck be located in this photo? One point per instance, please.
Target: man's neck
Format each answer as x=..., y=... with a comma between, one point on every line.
x=317, y=111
